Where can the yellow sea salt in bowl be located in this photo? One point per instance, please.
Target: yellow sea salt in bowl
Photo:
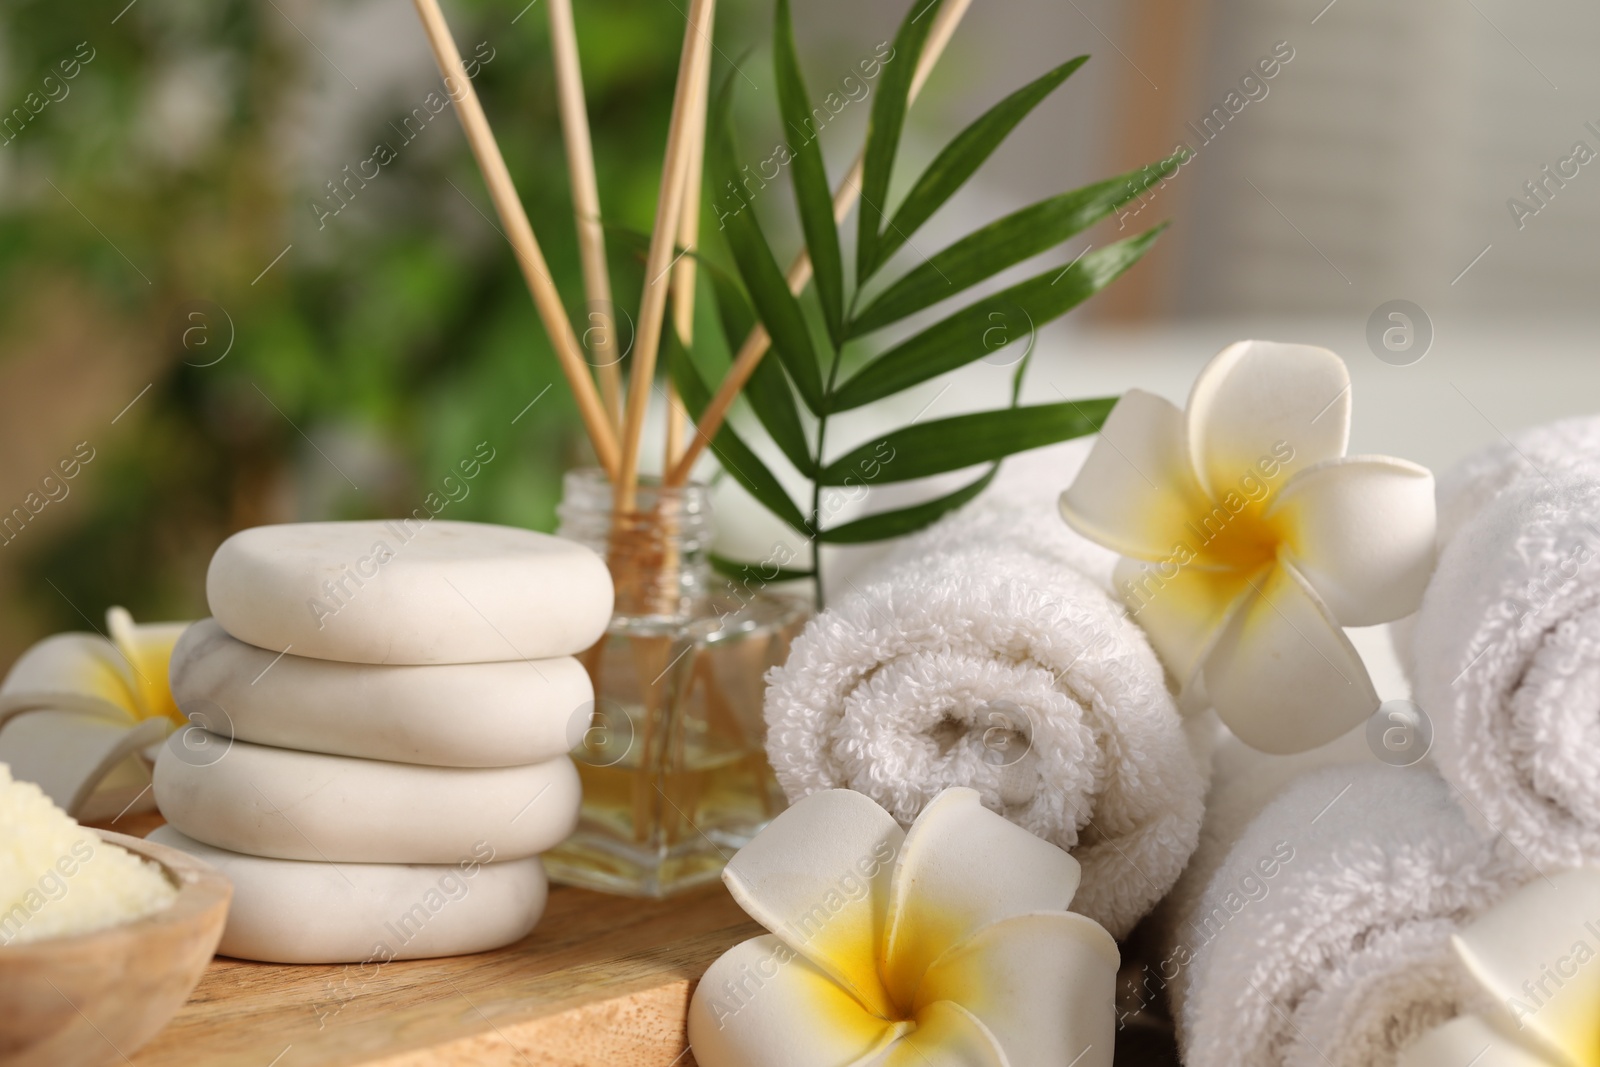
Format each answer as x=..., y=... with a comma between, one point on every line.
x=58, y=878
x=102, y=936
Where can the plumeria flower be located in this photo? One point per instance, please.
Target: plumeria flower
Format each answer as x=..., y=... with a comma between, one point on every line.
x=948, y=945
x=76, y=705
x=1537, y=957
x=1249, y=538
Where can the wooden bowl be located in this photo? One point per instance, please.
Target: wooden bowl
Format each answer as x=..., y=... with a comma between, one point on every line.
x=96, y=998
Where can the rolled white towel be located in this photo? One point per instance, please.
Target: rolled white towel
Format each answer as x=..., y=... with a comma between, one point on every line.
x=1505, y=660
x=981, y=658
x=1546, y=451
x=1313, y=926
x=1543, y=451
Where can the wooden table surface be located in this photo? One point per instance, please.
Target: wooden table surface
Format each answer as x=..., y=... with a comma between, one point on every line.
x=602, y=981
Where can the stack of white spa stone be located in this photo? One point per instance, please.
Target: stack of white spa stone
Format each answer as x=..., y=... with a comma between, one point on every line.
x=382, y=715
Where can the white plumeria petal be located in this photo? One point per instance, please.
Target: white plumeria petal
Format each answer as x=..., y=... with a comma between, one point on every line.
x=1262, y=410
x=1043, y=984
x=762, y=1003
x=946, y=1035
x=1182, y=614
x=1283, y=676
x=1470, y=1041
x=962, y=868
x=147, y=650
x=1361, y=530
x=1538, y=953
x=68, y=754
x=819, y=877
x=1136, y=489
x=71, y=672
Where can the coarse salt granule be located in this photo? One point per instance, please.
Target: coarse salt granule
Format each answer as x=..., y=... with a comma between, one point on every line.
x=59, y=879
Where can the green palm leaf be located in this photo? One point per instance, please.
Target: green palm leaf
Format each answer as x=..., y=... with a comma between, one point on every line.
x=810, y=175
x=969, y=334
x=884, y=125
x=737, y=458
x=952, y=167
x=1004, y=243
x=941, y=445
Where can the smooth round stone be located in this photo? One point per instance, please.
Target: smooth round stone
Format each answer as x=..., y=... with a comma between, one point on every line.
x=405, y=591
x=448, y=715
x=291, y=911
x=290, y=805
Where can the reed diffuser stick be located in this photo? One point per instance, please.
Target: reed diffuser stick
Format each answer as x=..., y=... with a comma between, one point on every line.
x=599, y=332
x=684, y=271
x=519, y=231
x=756, y=344
x=677, y=417
x=687, y=99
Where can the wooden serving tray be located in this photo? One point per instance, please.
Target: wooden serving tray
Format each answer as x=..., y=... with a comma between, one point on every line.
x=602, y=981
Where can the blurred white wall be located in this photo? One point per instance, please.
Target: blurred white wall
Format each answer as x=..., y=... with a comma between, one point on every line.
x=1392, y=144
x=1377, y=164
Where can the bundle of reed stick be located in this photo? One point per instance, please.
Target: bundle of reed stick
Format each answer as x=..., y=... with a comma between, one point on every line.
x=614, y=416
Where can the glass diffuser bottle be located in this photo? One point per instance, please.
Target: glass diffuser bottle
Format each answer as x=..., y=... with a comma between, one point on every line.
x=674, y=769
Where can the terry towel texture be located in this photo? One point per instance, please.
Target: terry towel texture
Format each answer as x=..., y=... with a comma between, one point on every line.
x=1543, y=451
x=980, y=657
x=1505, y=659
x=1313, y=927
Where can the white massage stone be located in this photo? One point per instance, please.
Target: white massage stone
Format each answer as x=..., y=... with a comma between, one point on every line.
x=291, y=805
x=404, y=591
x=290, y=911
x=449, y=715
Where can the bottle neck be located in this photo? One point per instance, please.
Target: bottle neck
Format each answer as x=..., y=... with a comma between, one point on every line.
x=658, y=552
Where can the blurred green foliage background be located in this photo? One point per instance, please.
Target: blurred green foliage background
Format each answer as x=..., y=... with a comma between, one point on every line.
x=141, y=212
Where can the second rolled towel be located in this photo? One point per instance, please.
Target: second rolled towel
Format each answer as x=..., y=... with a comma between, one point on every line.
x=1505, y=659
x=1313, y=927
x=981, y=660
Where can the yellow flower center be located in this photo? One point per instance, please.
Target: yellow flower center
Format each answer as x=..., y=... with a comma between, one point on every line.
x=1244, y=541
x=148, y=654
